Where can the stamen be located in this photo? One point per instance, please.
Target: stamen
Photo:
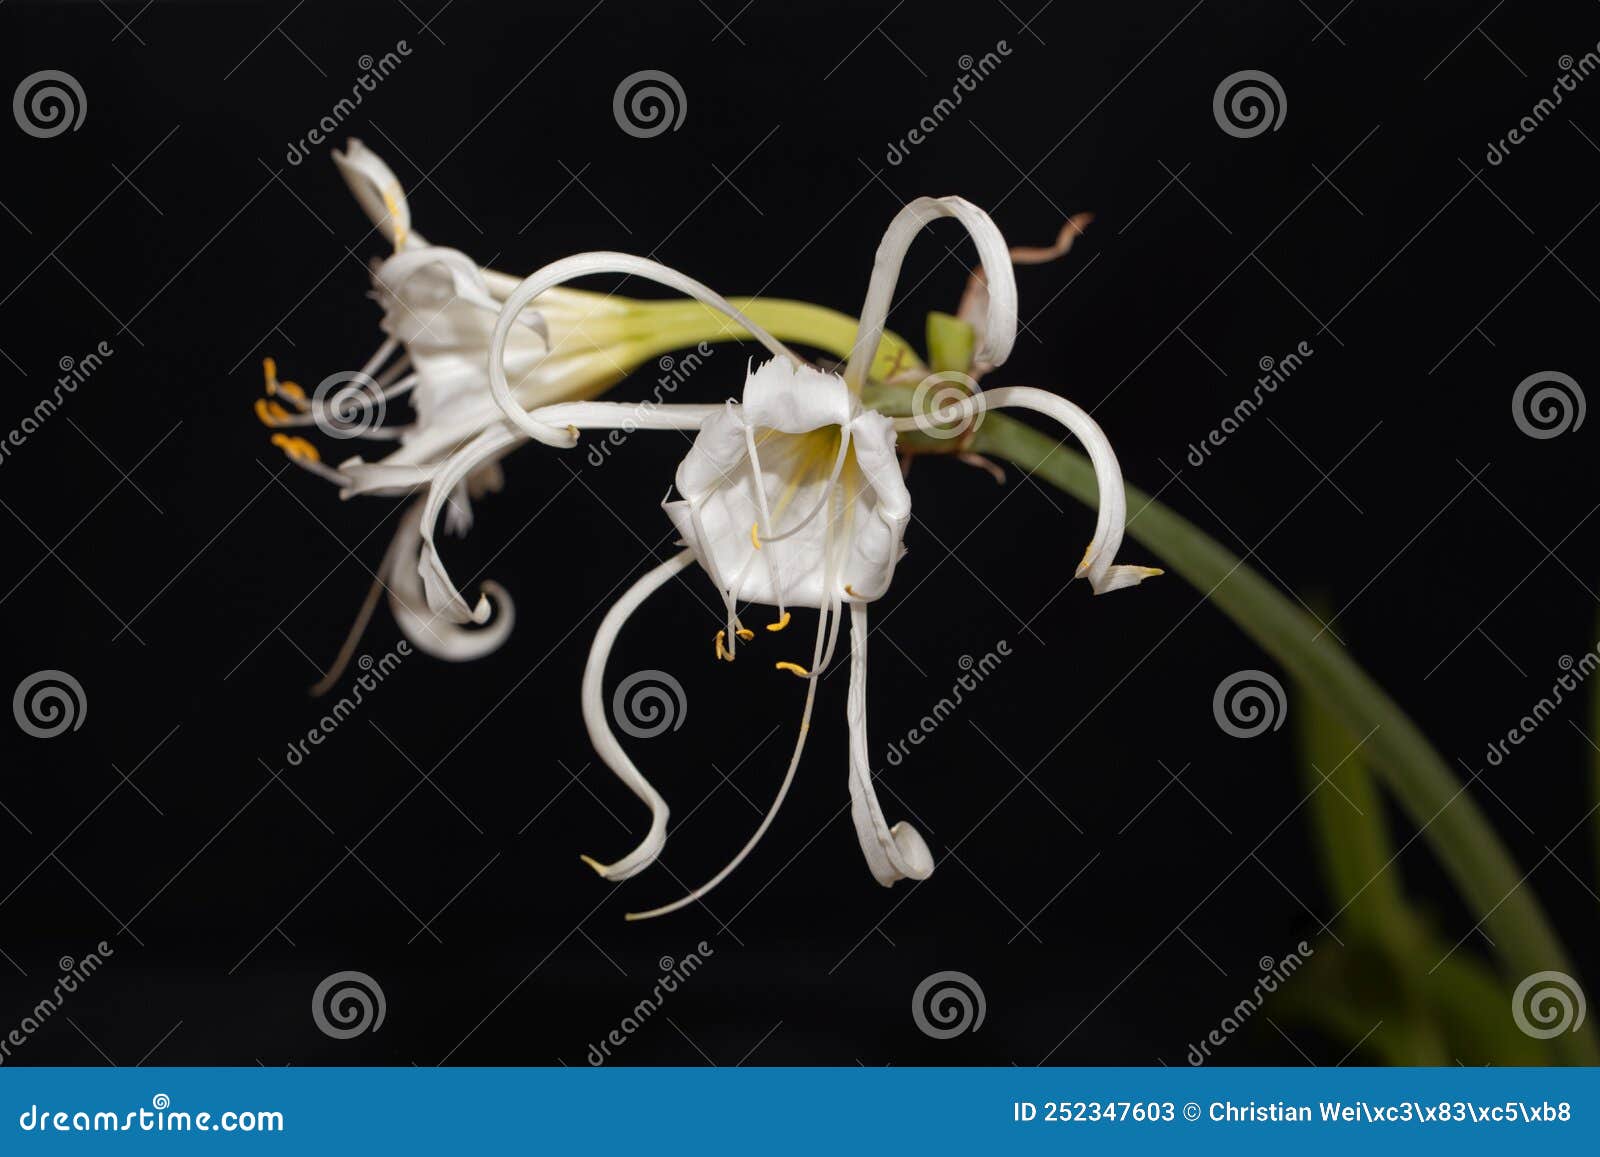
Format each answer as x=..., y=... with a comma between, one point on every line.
x=271, y=413
x=293, y=392
x=755, y=538
x=745, y=633
x=780, y=624
x=297, y=448
x=269, y=371
x=722, y=651
x=600, y=869
x=794, y=669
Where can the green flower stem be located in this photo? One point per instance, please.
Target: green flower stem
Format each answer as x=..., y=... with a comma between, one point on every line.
x=661, y=327
x=1431, y=794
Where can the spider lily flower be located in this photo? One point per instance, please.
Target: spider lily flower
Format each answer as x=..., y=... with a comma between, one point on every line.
x=790, y=498
x=439, y=311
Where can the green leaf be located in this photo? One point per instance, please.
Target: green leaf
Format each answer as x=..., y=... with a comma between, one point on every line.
x=1349, y=824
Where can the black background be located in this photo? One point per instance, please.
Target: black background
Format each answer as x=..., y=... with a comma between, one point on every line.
x=171, y=226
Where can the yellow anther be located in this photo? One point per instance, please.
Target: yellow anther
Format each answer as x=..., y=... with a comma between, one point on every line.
x=270, y=412
x=599, y=868
x=755, y=538
x=793, y=668
x=269, y=371
x=293, y=392
x=745, y=633
x=296, y=447
x=780, y=624
x=722, y=651
x=851, y=591
x=393, y=205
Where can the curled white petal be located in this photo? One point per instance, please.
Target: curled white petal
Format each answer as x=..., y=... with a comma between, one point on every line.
x=599, y=724
x=1097, y=565
x=893, y=853
x=582, y=265
x=443, y=597
x=999, y=331
x=431, y=633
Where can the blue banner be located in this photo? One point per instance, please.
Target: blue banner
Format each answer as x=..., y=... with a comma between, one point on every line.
x=810, y=1111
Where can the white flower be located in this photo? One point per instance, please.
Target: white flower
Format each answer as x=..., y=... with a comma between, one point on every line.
x=791, y=497
x=439, y=312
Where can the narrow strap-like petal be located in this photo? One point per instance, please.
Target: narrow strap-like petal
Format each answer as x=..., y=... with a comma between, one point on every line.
x=896, y=853
x=582, y=265
x=999, y=330
x=625, y=415
x=599, y=725
x=432, y=633
x=1097, y=565
x=443, y=597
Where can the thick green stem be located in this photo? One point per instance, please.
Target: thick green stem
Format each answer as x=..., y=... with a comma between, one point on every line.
x=1429, y=791
x=664, y=326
